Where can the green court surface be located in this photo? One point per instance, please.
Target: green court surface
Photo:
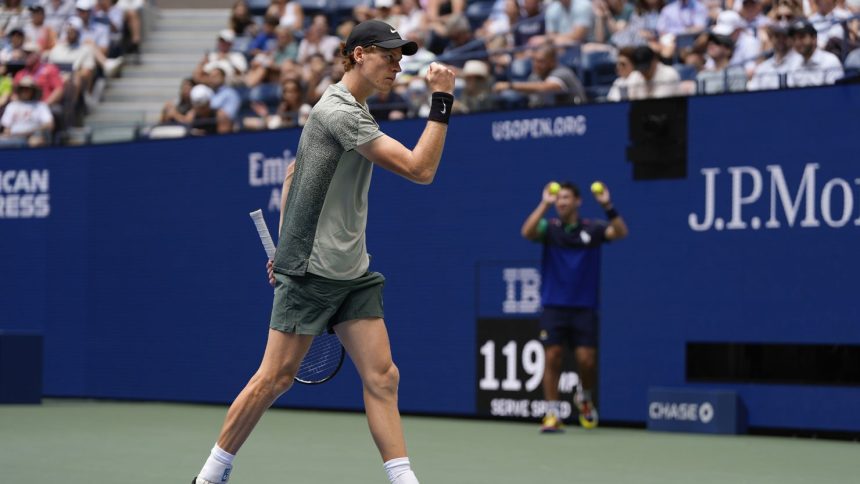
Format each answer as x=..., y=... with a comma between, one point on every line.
x=94, y=442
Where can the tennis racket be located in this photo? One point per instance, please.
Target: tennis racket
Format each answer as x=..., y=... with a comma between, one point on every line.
x=325, y=356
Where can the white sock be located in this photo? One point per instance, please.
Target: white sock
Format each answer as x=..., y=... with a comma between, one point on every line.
x=399, y=471
x=218, y=466
x=553, y=407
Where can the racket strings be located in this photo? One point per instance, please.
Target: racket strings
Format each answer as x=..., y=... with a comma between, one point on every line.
x=322, y=360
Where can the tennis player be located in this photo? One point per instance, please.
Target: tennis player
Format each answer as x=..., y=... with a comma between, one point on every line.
x=570, y=288
x=320, y=271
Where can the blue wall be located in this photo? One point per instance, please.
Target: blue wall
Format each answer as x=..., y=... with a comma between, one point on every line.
x=147, y=277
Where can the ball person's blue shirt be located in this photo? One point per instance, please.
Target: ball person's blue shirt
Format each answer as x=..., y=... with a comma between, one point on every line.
x=570, y=266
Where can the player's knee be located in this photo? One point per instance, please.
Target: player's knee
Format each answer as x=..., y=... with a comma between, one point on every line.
x=269, y=386
x=384, y=382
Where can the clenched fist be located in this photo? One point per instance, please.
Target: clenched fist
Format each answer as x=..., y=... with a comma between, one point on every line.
x=440, y=78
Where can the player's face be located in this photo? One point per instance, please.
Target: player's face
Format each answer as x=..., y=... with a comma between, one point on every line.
x=566, y=202
x=381, y=67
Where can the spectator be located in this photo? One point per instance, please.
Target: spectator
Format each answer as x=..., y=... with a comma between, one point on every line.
x=549, y=84
x=677, y=18
x=13, y=15
x=531, y=23
x=785, y=59
x=38, y=31
x=641, y=29
x=224, y=97
x=5, y=87
x=461, y=43
x=825, y=21
x=569, y=21
x=412, y=19
x=13, y=51
x=751, y=13
x=286, y=48
x=235, y=62
x=852, y=62
x=651, y=78
x=289, y=12
x=682, y=17
x=818, y=67
x=241, y=22
x=111, y=16
x=97, y=35
x=318, y=41
x=477, y=94
x=293, y=110
x=410, y=65
x=265, y=40
x=719, y=74
x=385, y=12
x=747, y=47
x=786, y=10
x=623, y=67
x=263, y=78
x=71, y=51
x=180, y=111
x=57, y=12
x=26, y=120
x=440, y=10
x=46, y=76
x=498, y=25
x=205, y=119
x=131, y=12
x=317, y=77
x=610, y=17
x=387, y=105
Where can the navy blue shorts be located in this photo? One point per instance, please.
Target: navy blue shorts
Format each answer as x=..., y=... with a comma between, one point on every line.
x=571, y=326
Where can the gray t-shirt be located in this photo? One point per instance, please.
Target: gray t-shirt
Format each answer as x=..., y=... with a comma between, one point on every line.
x=573, y=92
x=326, y=213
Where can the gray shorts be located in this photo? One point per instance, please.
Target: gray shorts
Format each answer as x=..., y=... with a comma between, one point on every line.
x=312, y=305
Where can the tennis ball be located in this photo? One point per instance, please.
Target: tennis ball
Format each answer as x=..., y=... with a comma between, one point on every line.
x=554, y=188
x=597, y=188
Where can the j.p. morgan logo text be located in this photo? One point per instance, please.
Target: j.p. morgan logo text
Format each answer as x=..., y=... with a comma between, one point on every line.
x=812, y=201
x=24, y=194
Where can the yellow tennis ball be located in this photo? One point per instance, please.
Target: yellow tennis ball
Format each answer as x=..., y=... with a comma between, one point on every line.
x=597, y=188
x=554, y=188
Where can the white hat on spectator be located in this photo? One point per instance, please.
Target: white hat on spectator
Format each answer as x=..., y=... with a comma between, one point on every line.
x=383, y=3
x=75, y=23
x=201, y=94
x=476, y=68
x=85, y=4
x=227, y=35
x=727, y=22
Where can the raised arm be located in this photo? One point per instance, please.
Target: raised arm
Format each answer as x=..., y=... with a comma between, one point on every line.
x=420, y=163
x=617, y=228
x=530, y=226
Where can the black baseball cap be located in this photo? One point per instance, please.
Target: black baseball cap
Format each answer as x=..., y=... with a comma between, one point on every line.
x=802, y=27
x=378, y=33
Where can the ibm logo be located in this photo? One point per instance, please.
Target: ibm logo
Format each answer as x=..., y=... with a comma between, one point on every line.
x=522, y=293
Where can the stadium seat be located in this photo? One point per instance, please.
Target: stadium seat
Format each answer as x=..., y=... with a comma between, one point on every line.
x=572, y=58
x=687, y=73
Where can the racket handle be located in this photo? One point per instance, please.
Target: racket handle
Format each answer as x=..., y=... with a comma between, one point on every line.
x=263, y=232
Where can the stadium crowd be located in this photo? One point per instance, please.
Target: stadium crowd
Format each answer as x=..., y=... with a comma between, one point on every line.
x=272, y=62
x=55, y=57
